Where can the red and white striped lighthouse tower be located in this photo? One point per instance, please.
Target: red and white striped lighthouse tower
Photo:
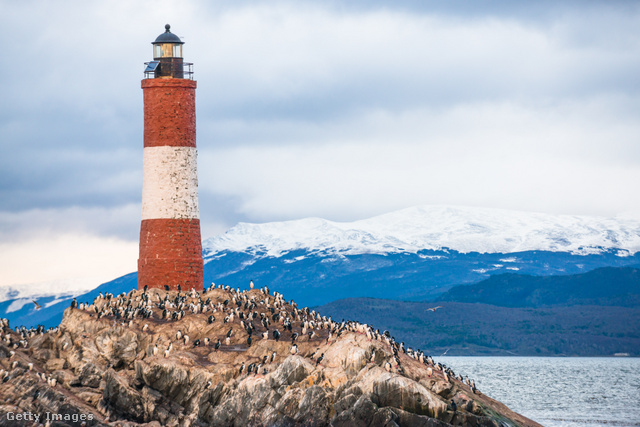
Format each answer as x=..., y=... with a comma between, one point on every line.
x=170, y=242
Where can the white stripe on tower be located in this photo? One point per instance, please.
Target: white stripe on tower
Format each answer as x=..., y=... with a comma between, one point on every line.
x=170, y=183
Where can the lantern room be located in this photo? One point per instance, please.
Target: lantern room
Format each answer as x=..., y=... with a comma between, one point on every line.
x=167, y=45
x=167, y=58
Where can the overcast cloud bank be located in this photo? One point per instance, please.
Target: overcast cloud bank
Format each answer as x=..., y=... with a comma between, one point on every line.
x=307, y=109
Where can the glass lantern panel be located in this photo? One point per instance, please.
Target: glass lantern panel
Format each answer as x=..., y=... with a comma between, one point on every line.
x=177, y=51
x=166, y=50
x=157, y=51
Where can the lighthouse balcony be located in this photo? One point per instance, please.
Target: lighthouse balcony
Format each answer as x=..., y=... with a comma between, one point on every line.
x=159, y=69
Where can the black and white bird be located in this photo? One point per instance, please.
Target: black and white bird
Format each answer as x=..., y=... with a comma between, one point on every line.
x=320, y=359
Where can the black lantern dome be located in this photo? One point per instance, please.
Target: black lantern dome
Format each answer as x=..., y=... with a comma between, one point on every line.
x=167, y=57
x=168, y=37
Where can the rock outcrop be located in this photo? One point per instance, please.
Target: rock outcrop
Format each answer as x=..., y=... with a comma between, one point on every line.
x=226, y=358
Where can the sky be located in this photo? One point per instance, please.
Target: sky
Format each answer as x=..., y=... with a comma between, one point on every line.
x=335, y=109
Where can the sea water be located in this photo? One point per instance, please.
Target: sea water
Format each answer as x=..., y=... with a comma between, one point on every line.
x=559, y=391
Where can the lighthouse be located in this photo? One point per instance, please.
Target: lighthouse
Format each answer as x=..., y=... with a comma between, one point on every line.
x=170, y=241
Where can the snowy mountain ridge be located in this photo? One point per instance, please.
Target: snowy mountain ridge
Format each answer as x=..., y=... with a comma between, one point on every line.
x=463, y=229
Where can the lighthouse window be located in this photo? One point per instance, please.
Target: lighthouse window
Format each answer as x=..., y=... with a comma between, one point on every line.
x=157, y=51
x=177, y=51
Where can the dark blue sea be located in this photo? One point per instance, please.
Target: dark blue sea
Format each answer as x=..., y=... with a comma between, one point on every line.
x=562, y=391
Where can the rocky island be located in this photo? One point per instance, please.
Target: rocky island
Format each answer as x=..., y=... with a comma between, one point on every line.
x=225, y=357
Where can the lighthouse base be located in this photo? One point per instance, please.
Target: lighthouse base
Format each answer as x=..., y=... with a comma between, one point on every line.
x=170, y=254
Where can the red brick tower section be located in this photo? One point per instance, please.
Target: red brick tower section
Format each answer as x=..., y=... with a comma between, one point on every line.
x=170, y=240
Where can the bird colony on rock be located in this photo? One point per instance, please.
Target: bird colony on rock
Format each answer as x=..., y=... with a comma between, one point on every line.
x=226, y=356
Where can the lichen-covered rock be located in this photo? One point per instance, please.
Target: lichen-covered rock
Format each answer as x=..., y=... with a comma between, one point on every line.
x=118, y=346
x=90, y=376
x=54, y=364
x=119, y=396
x=400, y=392
x=292, y=370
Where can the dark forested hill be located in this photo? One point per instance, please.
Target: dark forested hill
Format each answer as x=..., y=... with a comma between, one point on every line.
x=603, y=287
x=591, y=314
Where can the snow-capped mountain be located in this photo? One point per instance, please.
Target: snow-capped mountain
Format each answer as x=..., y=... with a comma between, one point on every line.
x=415, y=254
x=414, y=229
x=25, y=293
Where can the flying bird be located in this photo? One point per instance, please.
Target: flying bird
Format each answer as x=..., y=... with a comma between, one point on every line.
x=433, y=308
x=38, y=306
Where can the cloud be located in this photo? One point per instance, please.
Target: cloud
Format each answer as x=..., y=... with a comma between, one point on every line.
x=121, y=221
x=499, y=155
x=66, y=258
